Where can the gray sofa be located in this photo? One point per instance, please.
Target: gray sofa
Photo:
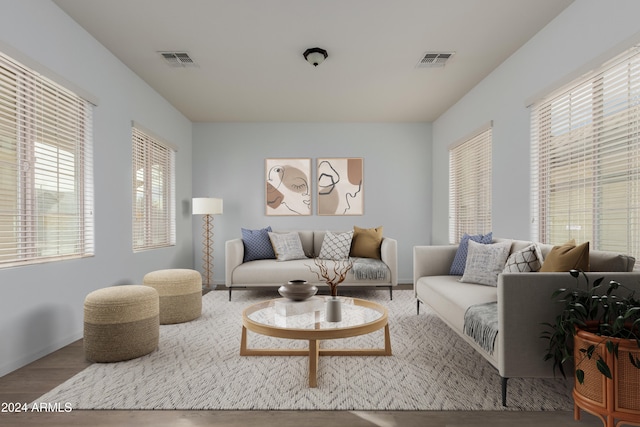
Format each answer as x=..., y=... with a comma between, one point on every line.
x=523, y=303
x=273, y=273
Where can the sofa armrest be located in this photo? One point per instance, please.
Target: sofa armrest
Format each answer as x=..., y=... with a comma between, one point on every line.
x=389, y=255
x=524, y=303
x=233, y=256
x=432, y=260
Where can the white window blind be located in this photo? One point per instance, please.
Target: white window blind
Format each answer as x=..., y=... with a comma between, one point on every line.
x=46, y=177
x=153, y=192
x=586, y=159
x=470, y=185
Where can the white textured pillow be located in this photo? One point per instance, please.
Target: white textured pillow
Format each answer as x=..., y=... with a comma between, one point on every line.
x=525, y=260
x=287, y=246
x=485, y=262
x=336, y=246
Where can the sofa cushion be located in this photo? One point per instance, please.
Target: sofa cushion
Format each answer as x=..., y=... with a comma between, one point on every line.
x=518, y=245
x=485, y=262
x=270, y=272
x=451, y=298
x=460, y=260
x=287, y=246
x=524, y=260
x=610, y=261
x=257, y=244
x=567, y=257
x=366, y=242
x=336, y=246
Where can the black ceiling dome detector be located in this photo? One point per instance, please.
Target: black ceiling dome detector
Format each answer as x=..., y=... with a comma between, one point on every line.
x=315, y=56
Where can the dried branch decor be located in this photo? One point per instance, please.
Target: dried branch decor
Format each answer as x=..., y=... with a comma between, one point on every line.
x=332, y=273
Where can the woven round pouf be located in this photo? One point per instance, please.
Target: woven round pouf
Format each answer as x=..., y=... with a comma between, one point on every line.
x=180, y=292
x=121, y=323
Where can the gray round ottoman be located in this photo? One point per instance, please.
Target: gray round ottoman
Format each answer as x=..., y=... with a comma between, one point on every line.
x=180, y=292
x=121, y=323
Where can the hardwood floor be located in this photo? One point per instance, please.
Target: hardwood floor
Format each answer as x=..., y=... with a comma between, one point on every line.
x=25, y=385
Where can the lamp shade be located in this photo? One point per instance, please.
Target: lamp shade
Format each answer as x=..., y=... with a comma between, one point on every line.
x=207, y=206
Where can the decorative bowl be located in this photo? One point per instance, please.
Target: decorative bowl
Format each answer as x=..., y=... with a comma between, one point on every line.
x=297, y=290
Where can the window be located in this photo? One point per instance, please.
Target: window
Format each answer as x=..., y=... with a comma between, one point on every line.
x=586, y=159
x=153, y=192
x=46, y=177
x=470, y=185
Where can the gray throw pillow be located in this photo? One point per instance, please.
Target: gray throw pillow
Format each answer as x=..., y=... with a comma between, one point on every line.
x=287, y=246
x=460, y=259
x=485, y=262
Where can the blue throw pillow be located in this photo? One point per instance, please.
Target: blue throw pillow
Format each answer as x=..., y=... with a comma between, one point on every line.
x=460, y=260
x=257, y=244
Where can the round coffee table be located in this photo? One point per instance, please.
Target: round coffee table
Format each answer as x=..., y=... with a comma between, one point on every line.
x=359, y=317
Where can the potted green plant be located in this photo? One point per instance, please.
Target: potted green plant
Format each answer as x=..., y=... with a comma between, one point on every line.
x=598, y=330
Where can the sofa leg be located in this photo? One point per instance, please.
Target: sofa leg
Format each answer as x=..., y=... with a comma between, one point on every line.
x=391, y=293
x=417, y=306
x=229, y=293
x=504, y=391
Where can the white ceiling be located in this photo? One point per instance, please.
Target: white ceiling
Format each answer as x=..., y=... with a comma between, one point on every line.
x=250, y=64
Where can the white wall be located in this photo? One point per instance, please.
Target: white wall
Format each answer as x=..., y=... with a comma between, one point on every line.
x=41, y=306
x=583, y=36
x=229, y=162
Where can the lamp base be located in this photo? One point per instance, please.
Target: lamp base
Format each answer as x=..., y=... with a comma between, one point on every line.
x=207, y=250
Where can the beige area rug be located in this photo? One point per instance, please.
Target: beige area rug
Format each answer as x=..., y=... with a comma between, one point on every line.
x=198, y=366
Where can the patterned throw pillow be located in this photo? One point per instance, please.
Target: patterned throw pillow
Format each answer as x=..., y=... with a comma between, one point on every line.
x=460, y=260
x=485, y=262
x=525, y=260
x=257, y=244
x=336, y=246
x=287, y=246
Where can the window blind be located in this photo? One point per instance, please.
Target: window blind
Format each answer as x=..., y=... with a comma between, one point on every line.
x=46, y=176
x=470, y=185
x=153, y=192
x=586, y=159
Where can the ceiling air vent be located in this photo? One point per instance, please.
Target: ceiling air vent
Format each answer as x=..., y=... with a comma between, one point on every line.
x=178, y=59
x=434, y=59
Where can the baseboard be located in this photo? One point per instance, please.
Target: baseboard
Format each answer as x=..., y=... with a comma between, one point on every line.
x=13, y=365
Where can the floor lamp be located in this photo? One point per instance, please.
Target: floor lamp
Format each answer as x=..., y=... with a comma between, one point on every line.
x=208, y=207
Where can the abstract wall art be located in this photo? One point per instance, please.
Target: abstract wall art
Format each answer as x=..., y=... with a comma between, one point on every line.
x=340, y=186
x=288, y=189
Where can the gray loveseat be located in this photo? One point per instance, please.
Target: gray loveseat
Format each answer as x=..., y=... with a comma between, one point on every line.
x=523, y=303
x=273, y=273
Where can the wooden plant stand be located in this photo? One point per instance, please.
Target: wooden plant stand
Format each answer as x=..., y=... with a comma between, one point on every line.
x=617, y=401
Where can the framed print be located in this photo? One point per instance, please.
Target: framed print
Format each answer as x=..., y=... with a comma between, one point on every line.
x=340, y=186
x=287, y=186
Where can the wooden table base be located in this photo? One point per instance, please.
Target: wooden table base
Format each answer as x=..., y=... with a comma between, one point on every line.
x=314, y=352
